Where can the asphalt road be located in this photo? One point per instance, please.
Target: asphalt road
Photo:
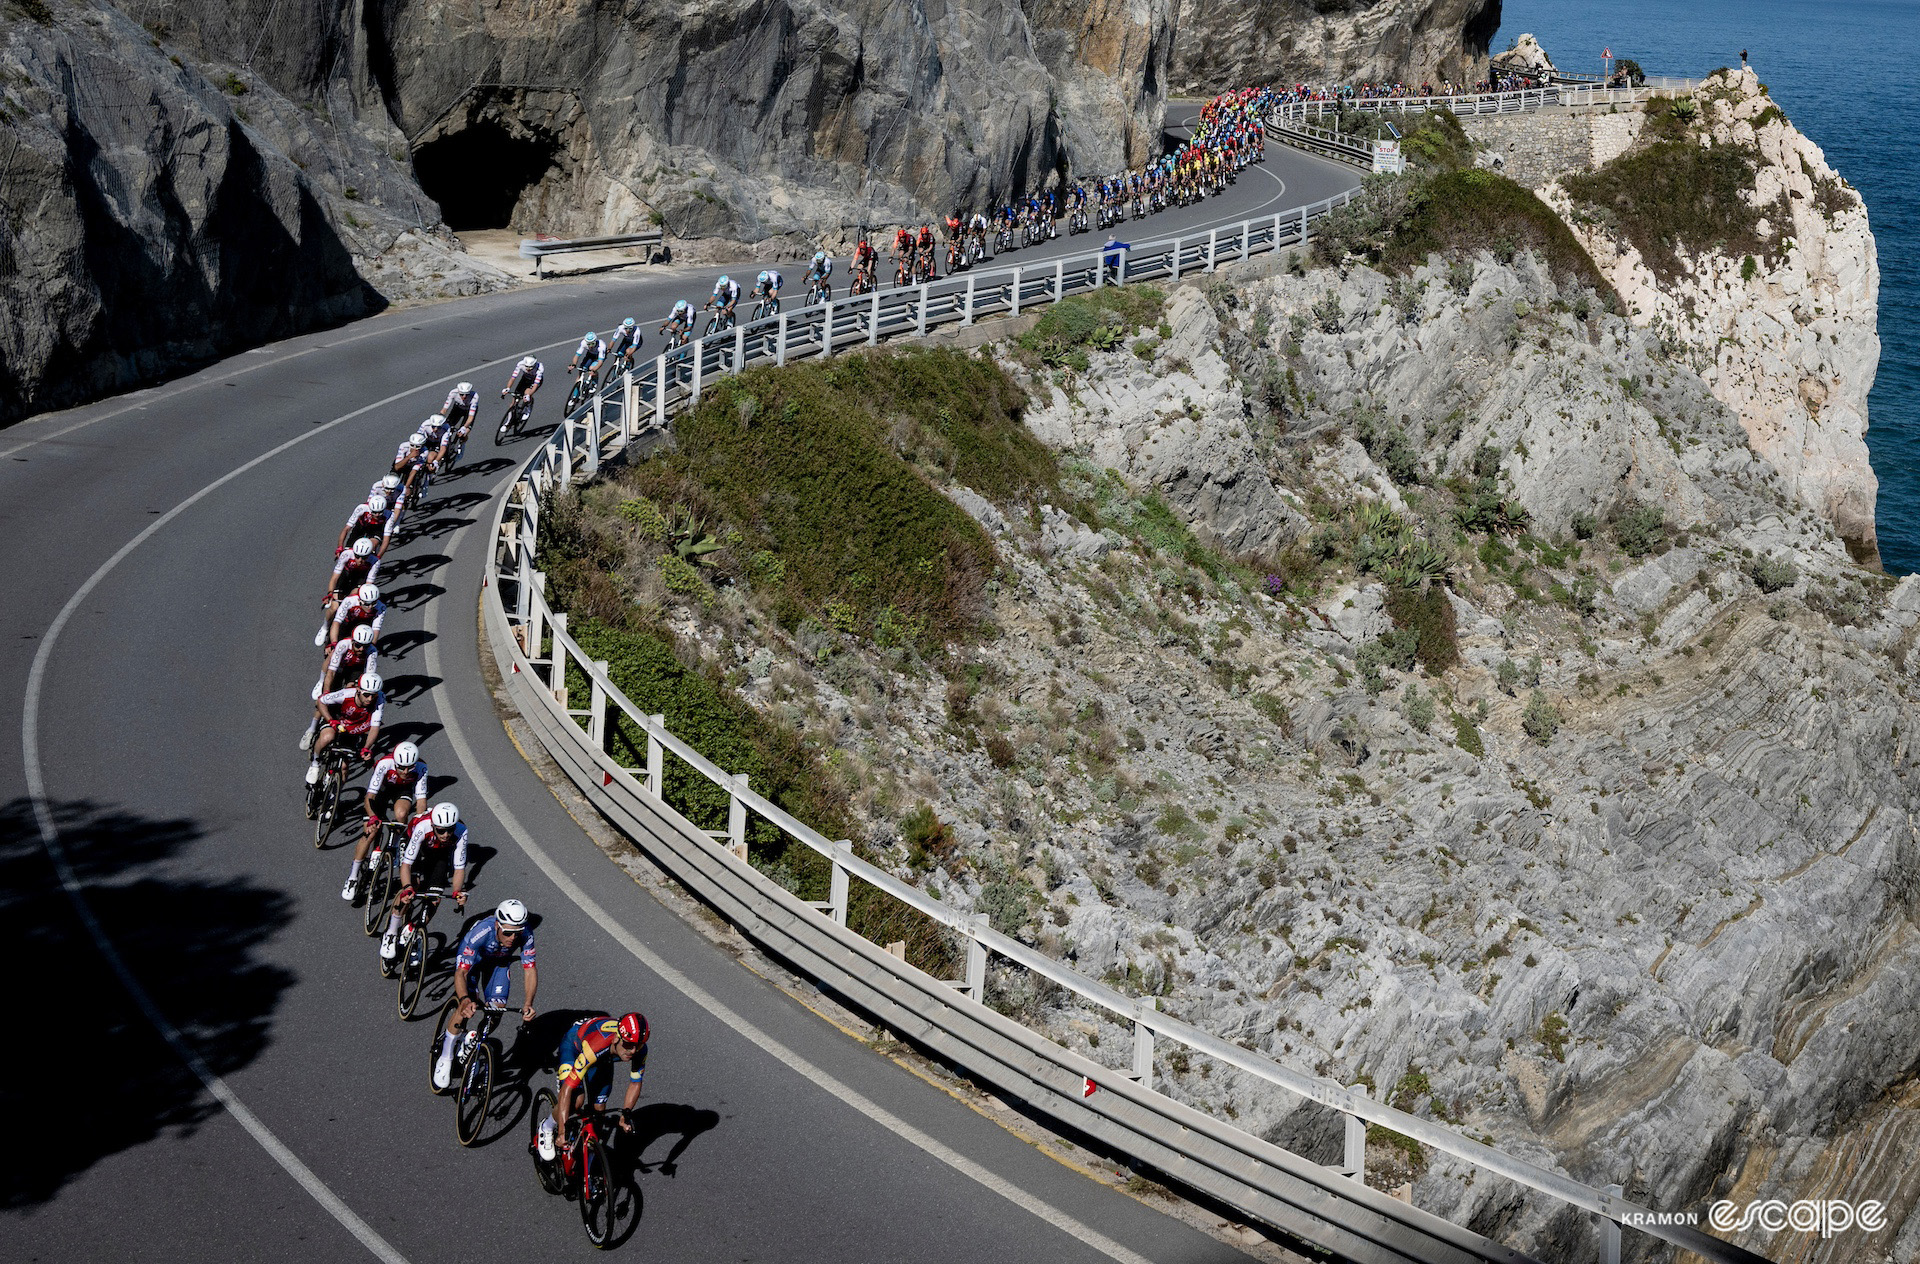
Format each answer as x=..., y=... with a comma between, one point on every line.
x=254, y=1096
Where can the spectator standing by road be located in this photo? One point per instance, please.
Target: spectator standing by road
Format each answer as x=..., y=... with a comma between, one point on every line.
x=1110, y=256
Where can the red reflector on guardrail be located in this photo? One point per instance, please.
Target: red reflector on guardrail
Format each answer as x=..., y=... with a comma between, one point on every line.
x=1087, y=1087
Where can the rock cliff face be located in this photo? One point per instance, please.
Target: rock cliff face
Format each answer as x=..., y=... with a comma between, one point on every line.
x=1786, y=337
x=1628, y=887
x=1220, y=46
x=151, y=217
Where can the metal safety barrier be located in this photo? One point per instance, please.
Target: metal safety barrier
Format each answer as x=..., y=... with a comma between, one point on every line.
x=1328, y=1206
x=537, y=249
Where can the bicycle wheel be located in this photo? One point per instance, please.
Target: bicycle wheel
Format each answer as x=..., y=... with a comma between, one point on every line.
x=551, y=1176
x=329, y=806
x=507, y=426
x=433, y=1042
x=476, y=1094
x=413, y=976
x=379, y=891
x=596, y=1192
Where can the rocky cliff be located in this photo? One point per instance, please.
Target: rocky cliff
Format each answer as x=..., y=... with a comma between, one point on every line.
x=1219, y=46
x=1542, y=762
x=1783, y=329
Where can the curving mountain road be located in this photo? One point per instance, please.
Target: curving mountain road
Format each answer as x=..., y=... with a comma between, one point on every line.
x=254, y=1096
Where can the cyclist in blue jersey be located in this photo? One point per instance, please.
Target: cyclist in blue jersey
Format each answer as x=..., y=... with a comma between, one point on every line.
x=484, y=962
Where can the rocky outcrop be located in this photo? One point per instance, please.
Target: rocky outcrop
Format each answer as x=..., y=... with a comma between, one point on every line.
x=1629, y=889
x=1787, y=337
x=1320, y=42
x=152, y=218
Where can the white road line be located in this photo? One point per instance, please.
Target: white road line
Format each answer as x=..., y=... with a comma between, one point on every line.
x=75, y=889
x=783, y=1055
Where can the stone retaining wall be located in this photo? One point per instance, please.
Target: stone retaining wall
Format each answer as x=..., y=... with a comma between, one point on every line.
x=1534, y=148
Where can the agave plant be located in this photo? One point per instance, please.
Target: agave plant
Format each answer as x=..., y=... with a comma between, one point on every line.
x=690, y=539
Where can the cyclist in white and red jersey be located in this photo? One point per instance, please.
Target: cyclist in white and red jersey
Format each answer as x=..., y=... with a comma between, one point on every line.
x=408, y=463
x=525, y=379
x=351, y=657
x=462, y=403
x=398, y=786
x=372, y=519
x=354, y=567
x=363, y=606
x=353, y=713
x=388, y=486
x=436, y=848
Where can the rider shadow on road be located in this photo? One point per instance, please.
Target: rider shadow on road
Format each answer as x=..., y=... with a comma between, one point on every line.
x=417, y=564
x=405, y=690
x=398, y=644
x=655, y=1120
x=413, y=596
x=207, y=982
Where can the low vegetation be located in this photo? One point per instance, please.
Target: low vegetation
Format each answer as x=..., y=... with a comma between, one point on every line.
x=1676, y=195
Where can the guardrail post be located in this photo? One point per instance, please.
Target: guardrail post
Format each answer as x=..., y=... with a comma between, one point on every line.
x=1176, y=258
x=1059, y=279
x=737, y=816
x=1303, y=226
x=837, y=885
x=699, y=367
x=1143, y=1053
x=739, y=348
x=1355, y=1148
x=921, y=315
x=1124, y=252
x=593, y=437
x=1610, y=1232
x=557, y=661
x=1276, y=231
x=873, y=321
x=826, y=329
x=977, y=960
x=656, y=756
x=660, y=390
x=1246, y=231
x=1213, y=246
x=780, y=341
x=966, y=317
x=1016, y=292
x=628, y=408
x=536, y=626
x=1100, y=268
x=597, y=722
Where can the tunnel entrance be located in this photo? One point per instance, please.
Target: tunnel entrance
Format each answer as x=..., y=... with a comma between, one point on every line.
x=478, y=173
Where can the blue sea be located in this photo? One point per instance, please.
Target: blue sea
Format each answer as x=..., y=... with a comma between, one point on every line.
x=1839, y=69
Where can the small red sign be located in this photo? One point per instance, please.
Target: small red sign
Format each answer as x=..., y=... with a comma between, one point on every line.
x=1087, y=1087
x=1607, y=53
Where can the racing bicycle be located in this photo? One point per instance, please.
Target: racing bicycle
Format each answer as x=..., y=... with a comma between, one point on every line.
x=324, y=795
x=584, y=386
x=383, y=873
x=476, y=1056
x=582, y=1167
x=411, y=962
x=519, y=412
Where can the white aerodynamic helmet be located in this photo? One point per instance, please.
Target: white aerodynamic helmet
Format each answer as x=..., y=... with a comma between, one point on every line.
x=445, y=816
x=391, y=482
x=363, y=547
x=378, y=505
x=511, y=915
x=371, y=682
x=406, y=755
x=363, y=635
x=416, y=440
x=368, y=594
x=465, y=388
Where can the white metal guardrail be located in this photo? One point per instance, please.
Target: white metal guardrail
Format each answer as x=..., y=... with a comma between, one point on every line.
x=1330, y=1207
x=537, y=249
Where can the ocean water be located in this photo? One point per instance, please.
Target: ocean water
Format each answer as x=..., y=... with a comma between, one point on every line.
x=1839, y=68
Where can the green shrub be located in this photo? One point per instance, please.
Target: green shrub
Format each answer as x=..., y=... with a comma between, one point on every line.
x=1675, y=194
x=681, y=577
x=1466, y=736
x=1584, y=526
x=1772, y=574
x=1418, y=708
x=1554, y=1037
x=930, y=841
x=647, y=518
x=1749, y=268
x=1540, y=719
x=1639, y=529
x=822, y=468
x=1428, y=615
x=1099, y=320
x=1008, y=903
x=1460, y=213
x=1396, y=650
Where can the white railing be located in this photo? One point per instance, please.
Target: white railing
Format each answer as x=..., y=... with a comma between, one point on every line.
x=533, y=643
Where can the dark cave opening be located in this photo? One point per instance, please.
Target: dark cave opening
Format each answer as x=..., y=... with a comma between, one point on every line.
x=478, y=173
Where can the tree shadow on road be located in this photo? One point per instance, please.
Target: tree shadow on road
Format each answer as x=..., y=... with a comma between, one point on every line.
x=93, y=1076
